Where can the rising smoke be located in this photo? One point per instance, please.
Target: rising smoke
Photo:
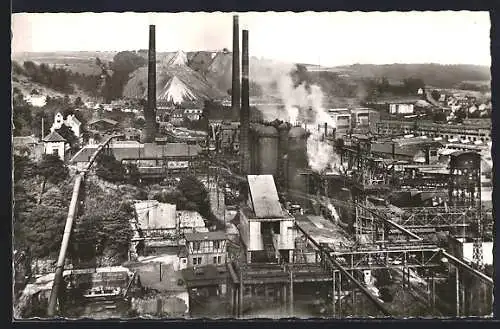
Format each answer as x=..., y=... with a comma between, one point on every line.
x=303, y=104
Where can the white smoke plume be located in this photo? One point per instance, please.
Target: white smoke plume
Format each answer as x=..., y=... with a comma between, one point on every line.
x=302, y=104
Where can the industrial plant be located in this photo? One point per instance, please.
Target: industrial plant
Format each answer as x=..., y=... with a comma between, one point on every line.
x=329, y=213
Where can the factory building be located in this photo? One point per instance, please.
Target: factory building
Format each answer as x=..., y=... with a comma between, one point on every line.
x=207, y=248
x=358, y=119
x=152, y=160
x=468, y=133
x=266, y=228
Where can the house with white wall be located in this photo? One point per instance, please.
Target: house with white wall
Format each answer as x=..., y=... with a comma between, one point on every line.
x=71, y=121
x=55, y=144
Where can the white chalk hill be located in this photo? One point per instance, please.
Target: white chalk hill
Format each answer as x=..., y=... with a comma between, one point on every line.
x=180, y=58
x=176, y=91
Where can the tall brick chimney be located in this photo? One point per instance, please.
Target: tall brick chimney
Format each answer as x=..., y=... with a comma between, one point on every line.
x=235, y=87
x=150, y=112
x=245, y=107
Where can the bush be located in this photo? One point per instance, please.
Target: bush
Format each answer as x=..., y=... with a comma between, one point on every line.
x=23, y=168
x=109, y=169
x=52, y=168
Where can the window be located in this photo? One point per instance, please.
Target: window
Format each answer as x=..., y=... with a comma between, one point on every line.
x=197, y=261
x=217, y=244
x=219, y=259
x=196, y=246
x=215, y=260
x=55, y=152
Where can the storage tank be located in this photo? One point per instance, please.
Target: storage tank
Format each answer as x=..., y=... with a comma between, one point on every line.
x=297, y=159
x=268, y=140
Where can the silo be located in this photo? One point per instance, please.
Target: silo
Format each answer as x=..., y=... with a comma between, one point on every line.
x=268, y=140
x=297, y=159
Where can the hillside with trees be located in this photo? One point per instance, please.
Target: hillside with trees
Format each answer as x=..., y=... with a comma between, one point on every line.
x=436, y=75
x=352, y=82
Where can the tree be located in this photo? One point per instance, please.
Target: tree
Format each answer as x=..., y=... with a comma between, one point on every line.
x=110, y=169
x=412, y=85
x=24, y=168
x=132, y=173
x=21, y=116
x=439, y=116
x=139, y=123
x=78, y=102
x=36, y=125
x=194, y=192
x=68, y=135
x=435, y=95
x=52, y=168
x=42, y=229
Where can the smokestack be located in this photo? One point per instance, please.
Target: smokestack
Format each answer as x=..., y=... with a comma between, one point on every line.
x=245, y=107
x=150, y=113
x=235, y=87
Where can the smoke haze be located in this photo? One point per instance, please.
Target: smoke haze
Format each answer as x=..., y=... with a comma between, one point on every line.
x=302, y=103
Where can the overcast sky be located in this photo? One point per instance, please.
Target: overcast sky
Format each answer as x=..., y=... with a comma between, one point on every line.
x=327, y=39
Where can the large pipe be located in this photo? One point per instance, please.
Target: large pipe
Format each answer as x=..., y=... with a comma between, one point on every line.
x=64, y=245
x=245, y=107
x=150, y=113
x=72, y=212
x=235, y=87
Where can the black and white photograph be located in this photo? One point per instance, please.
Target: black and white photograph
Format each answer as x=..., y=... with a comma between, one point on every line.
x=246, y=165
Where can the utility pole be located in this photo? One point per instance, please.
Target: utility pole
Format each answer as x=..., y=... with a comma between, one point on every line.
x=291, y=292
x=43, y=130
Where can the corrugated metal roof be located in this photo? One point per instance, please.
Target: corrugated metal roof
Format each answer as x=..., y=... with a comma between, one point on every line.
x=264, y=195
x=200, y=236
x=142, y=151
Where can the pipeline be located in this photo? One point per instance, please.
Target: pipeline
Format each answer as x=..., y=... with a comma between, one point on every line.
x=64, y=245
x=72, y=211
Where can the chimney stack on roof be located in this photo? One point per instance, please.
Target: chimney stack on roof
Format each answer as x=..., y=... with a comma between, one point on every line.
x=150, y=112
x=245, y=107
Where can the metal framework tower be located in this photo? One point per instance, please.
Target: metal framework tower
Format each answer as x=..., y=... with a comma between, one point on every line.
x=465, y=190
